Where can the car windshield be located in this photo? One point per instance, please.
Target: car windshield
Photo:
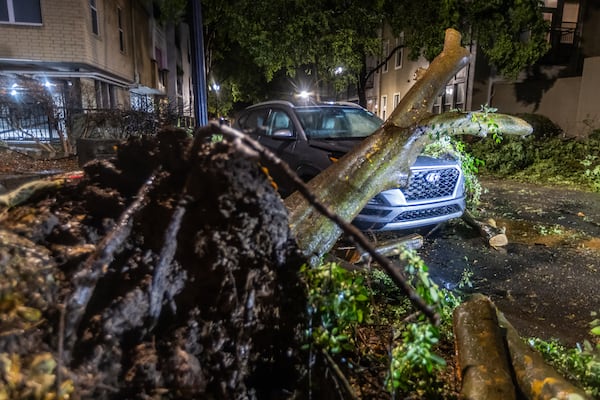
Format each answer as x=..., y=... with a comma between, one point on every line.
x=337, y=122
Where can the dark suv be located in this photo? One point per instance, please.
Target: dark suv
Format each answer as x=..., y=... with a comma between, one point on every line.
x=309, y=137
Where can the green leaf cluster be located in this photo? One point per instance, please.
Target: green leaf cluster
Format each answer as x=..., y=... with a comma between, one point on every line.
x=456, y=148
x=414, y=363
x=341, y=303
x=511, y=33
x=543, y=157
x=580, y=364
x=337, y=303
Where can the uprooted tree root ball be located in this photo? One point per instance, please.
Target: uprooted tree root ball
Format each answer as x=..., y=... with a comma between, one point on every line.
x=168, y=272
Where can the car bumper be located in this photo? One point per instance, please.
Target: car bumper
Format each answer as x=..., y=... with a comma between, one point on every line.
x=388, y=218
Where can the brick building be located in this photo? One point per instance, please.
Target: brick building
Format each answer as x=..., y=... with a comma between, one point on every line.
x=98, y=54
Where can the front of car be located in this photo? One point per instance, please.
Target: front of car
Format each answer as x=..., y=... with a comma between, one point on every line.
x=434, y=194
x=310, y=137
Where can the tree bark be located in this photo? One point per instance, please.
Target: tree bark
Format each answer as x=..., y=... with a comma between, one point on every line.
x=388, y=248
x=537, y=380
x=383, y=160
x=494, y=236
x=493, y=360
x=483, y=363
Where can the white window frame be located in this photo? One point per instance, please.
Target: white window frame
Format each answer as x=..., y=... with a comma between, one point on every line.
x=399, y=53
x=11, y=14
x=396, y=100
x=95, y=17
x=383, y=110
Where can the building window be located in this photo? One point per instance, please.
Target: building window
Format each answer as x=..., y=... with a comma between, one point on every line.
x=396, y=100
x=399, y=53
x=105, y=95
x=121, y=30
x=386, y=51
x=383, y=110
x=454, y=95
x=20, y=11
x=158, y=56
x=94, y=11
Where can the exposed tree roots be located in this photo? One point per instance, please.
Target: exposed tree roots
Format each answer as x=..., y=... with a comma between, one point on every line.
x=177, y=273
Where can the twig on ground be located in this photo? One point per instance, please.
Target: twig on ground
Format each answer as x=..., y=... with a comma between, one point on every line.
x=340, y=375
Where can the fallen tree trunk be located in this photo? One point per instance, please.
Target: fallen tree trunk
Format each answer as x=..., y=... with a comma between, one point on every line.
x=494, y=236
x=537, y=380
x=383, y=160
x=493, y=360
x=483, y=364
x=388, y=248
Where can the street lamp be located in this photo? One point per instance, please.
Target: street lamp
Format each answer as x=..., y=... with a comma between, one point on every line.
x=216, y=87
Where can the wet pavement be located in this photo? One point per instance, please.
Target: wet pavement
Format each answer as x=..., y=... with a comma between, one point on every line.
x=546, y=280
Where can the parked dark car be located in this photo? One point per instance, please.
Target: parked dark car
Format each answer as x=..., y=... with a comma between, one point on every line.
x=309, y=137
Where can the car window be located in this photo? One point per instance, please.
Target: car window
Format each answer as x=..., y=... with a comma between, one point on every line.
x=278, y=120
x=337, y=122
x=254, y=120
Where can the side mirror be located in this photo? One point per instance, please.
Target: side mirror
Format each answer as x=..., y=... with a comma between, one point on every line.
x=283, y=134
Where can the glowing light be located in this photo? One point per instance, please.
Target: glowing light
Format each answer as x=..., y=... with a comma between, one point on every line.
x=303, y=94
x=13, y=92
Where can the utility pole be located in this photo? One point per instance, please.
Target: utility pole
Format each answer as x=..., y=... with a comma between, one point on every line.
x=199, y=66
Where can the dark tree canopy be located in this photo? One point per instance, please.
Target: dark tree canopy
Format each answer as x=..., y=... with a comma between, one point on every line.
x=250, y=40
x=511, y=33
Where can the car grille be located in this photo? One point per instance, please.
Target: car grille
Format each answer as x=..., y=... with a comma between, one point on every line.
x=375, y=211
x=427, y=213
x=431, y=184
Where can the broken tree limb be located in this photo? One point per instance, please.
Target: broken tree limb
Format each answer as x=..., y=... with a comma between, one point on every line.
x=419, y=99
x=253, y=149
x=483, y=363
x=494, y=236
x=389, y=248
x=537, y=380
x=382, y=161
x=490, y=352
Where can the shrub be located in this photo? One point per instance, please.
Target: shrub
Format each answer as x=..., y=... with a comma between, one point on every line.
x=543, y=127
x=544, y=157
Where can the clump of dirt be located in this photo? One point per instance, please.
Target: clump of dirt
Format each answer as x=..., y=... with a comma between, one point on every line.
x=166, y=272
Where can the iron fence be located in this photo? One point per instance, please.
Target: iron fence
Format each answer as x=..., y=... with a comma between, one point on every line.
x=32, y=123
x=27, y=122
